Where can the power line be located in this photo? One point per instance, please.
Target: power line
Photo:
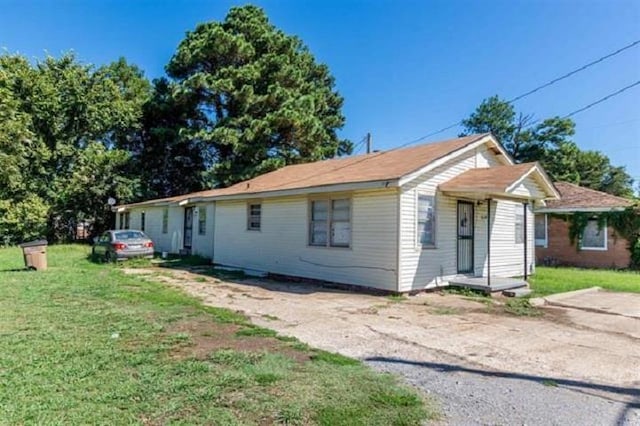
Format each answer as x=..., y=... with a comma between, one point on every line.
x=577, y=70
x=609, y=96
x=532, y=91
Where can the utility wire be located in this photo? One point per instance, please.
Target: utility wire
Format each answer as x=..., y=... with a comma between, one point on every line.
x=609, y=96
x=532, y=91
x=577, y=70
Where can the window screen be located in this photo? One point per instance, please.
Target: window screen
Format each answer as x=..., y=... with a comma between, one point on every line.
x=254, y=217
x=594, y=237
x=426, y=220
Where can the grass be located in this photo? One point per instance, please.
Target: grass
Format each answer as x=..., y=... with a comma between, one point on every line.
x=521, y=307
x=83, y=343
x=549, y=280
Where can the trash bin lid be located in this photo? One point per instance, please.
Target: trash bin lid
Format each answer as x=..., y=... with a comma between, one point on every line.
x=34, y=243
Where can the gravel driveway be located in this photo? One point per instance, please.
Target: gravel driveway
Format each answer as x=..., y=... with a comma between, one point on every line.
x=482, y=366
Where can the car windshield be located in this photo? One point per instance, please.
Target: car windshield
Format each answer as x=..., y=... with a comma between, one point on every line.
x=128, y=235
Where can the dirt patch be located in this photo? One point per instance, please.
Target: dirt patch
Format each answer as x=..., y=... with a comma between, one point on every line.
x=203, y=337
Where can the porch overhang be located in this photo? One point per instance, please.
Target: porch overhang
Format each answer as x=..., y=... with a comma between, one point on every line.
x=525, y=182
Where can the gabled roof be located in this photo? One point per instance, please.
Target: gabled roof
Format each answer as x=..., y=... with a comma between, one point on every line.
x=385, y=167
x=499, y=181
x=575, y=198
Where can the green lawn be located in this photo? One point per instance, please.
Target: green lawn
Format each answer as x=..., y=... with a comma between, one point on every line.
x=82, y=343
x=558, y=280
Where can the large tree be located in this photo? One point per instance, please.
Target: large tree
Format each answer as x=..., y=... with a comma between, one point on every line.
x=549, y=142
x=52, y=116
x=263, y=100
x=168, y=161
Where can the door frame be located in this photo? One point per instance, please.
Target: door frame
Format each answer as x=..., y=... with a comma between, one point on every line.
x=471, y=237
x=184, y=229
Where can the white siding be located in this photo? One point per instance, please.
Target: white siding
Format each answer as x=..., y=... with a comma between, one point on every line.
x=170, y=242
x=423, y=268
x=202, y=245
x=507, y=256
x=529, y=188
x=281, y=245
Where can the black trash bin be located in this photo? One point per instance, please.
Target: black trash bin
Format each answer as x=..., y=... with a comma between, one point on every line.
x=35, y=254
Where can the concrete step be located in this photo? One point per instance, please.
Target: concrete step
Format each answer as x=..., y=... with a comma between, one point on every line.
x=517, y=292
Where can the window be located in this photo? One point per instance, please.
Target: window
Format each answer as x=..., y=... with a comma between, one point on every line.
x=519, y=226
x=142, y=221
x=124, y=220
x=330, y=223
x=594, y=237
x=165, y=221
x=426, y=221
x=202, y=220
x=254, y=217
x=541, y=230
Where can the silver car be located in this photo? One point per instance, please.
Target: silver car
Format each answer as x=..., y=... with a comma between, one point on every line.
x=122, y=244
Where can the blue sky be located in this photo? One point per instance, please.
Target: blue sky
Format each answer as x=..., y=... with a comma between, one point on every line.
x=406, y=68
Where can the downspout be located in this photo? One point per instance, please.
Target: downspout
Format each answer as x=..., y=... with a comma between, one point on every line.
x=489, y=242
x=526, y=269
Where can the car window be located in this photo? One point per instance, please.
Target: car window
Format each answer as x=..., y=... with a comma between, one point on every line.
x=129, y=235
x=104, y=238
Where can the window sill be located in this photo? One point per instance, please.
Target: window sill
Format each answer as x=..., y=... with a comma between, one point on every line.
x=594, y=248
x=329, y=247
x=427, y=247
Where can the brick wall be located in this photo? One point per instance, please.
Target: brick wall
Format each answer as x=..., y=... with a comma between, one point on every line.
x=559, y=249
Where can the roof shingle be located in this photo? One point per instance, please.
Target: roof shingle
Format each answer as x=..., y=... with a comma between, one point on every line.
x=577, y=197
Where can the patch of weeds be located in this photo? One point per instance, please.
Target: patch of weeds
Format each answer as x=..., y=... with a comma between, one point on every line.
x=225, y=315
x=178, y=261
x=291, y=415
x=288, y=339
x=200, y=279
x=444, y=310
x=333, y=358
x=300, y=346
x=397, y=297
x=466, y=292
x=270, y=369
x=256, y=332
x=550, y=383
x=270, y=317
x=521, y=307
x=225, y=275
x=237, y=359
x=398, y=397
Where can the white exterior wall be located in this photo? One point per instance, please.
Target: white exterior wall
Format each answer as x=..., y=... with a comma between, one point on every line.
x=170, y=242
x=202, y=244
x=281, y=246
x=429, y=267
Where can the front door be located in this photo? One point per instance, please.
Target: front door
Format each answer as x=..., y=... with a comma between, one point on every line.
x=188, y=227
x=465, y=237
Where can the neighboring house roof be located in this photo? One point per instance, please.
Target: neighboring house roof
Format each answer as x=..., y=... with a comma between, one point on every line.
x=376, y=170
x=575, y=198
x=498, y=181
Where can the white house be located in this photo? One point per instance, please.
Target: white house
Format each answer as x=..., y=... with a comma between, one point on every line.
x=400, y=220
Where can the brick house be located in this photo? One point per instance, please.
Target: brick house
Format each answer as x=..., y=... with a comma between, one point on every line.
x=597, y=247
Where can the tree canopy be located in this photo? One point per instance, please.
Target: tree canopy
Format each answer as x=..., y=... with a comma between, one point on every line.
x=548, y=141
x=241, y=98
x=262, y=99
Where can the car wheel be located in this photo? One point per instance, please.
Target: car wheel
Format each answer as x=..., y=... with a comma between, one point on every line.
x=108, y=257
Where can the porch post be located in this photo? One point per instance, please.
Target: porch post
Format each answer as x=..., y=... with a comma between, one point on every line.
x=488, y=242
x=526, y=269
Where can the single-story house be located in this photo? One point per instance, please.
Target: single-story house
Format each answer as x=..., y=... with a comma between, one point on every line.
x=599, y=245
x=401, y=220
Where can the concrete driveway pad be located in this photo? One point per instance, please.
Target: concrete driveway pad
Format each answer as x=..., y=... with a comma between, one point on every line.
x=597, y=300
x=570, y=366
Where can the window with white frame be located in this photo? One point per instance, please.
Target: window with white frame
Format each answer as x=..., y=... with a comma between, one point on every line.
x=330, y=223
x=541, y=230
x=254, y=216
x=165, y=221
x=519, y=225
x=202, y=220
x=426, y=220
x=124, y=220
x=594, y=236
